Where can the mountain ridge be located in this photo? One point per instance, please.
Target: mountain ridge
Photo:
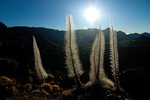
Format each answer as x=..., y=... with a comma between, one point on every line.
x=51, y=43
x=16, y=54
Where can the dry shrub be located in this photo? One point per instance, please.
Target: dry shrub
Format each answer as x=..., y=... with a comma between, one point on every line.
x=28, y=86
x=5, y=80
x=66, y=93
x=47, y=87
x=55, y=88
x=30, y=79
x=13, y=90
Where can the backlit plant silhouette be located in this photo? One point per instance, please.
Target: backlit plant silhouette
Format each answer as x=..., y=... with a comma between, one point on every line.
x=97, y=72
x=41, y=73
x=114, y=56
x=73, y=63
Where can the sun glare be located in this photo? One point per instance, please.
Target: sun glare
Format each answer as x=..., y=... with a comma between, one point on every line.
x=91, y=14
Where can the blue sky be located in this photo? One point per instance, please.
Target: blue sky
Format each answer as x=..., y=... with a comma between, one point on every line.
x=129, y=16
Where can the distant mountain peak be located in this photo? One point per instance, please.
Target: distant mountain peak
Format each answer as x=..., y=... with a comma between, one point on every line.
x=2, y=26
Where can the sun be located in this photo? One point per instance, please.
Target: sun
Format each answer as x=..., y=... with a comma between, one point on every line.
x=91, y=14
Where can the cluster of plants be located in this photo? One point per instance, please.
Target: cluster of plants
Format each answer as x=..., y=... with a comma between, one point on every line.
x=99, y=83
x=10, y=89
x=99, y=86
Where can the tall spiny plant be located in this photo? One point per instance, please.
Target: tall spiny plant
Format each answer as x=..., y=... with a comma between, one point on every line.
x=97, y=73
x=41, y=73
x=97, y=56
x=72, y=57
x=114, y=56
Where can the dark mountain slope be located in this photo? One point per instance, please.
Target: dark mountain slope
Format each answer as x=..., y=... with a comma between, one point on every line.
x=16, y=54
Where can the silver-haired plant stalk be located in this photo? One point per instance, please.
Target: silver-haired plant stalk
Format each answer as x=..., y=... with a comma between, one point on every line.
x=101, y=51
x=41, y=73
x=105, y=82
x=97, y=56
x=72, y=57
x=97, y=73
x=114, y=55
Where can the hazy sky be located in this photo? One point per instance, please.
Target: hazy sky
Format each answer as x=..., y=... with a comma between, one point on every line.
x=127, y=15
